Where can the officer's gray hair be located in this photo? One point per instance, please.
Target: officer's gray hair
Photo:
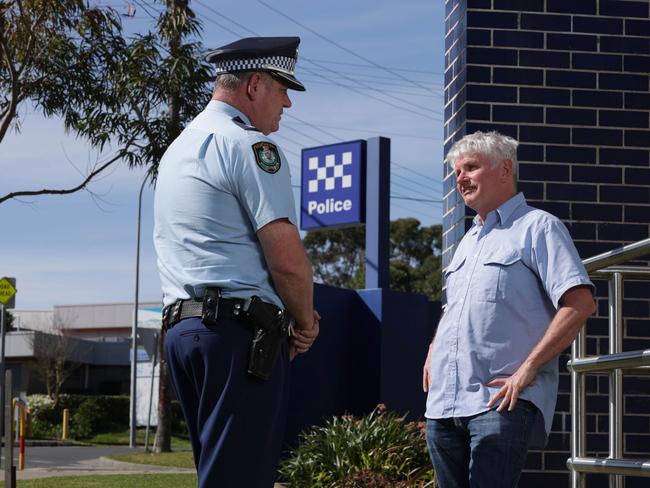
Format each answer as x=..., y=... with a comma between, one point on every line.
x=232, y=81
x=495, y=146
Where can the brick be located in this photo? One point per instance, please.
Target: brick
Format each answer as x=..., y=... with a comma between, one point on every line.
x=597, y=326
x=544, y=172
x=638, y=344
x=479, y=37
x=518, y=76
x=573, y=79
x=545, y=96
x=597, y=98
x=531, y=190
x=637, y=289
x=623, y=118
x=508, y=38
x=621, y=44
x=517, y=113
x=571, y=154
x=478, y=74
x=619, y=8
x=571, y=192
x=625, y=194
x=637, y=443
x=639, y=64
x=557, y=135
x=628, y=232
x=587, y=249
x=478, y=111
x=509, y=130
x=634, y=404
x=603, y=137
x=597, y=25
x=604, y=62
x=484, y=4
x=637, y=101
x=492, y=20
x=637, y=308
x=491, y=93
x=546, y=59
x=580, y=7
x=635, y=157
x=545, y=22
x=544, y=479
x=491, y=56
x=598, y=212
x=530, y=152
x=581, y=230
x=633, y=423
x=637, y=138
x=570, y=116
x=571, y=42
x=637, y=176
x=635, y=27
x=520, y=5
x=559, y=209
x=635, y=213
x=533, y=461
x=611, y=81
x=596, y=174
x=637, y=328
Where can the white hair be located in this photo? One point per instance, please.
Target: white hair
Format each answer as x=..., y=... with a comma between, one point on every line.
x=495, y=146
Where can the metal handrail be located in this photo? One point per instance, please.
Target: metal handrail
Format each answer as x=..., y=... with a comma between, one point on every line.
x=607, y=265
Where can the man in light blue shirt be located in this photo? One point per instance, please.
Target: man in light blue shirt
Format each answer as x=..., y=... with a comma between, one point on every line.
x=517, y=295
x=233, y=268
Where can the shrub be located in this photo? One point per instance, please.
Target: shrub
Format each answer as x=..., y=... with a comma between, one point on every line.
x=347, y=452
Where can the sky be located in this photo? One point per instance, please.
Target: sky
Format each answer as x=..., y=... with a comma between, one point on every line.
x=371, y=68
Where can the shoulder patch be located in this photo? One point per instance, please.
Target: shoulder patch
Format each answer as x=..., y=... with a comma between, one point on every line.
x=267, y=157
x=238, y=121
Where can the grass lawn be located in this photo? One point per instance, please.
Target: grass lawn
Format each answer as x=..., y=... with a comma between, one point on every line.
x=113, y=481
x=122, y=439
x=179, y=459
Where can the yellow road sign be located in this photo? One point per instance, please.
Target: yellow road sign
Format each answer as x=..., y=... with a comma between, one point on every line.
x=7, y=291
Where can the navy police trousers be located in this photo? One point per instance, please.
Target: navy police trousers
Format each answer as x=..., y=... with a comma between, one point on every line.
x=236, y=422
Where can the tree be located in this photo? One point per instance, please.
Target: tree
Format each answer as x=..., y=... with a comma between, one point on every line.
x=73, y=61
x=54, y=355
x=337, y=256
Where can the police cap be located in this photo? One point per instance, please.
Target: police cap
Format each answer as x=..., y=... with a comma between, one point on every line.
x=275, y=55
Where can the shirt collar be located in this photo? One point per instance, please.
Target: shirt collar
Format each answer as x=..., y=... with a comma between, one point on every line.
x=503, y=212
x=219, y=106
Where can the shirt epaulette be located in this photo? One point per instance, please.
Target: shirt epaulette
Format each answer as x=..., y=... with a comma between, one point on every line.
x=238, y=121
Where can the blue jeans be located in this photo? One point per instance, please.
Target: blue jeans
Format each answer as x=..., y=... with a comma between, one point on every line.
x=487, y=450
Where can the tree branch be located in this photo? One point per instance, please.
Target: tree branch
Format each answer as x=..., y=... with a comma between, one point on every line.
x=80, y=186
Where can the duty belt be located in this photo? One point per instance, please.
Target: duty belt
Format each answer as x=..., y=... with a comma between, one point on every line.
x=218, y=308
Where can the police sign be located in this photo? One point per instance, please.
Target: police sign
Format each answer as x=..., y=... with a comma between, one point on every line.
x=332, y=190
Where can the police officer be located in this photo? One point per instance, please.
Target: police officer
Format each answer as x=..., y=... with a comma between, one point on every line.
x=225, y=231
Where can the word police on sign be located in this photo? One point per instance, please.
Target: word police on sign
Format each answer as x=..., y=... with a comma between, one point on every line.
x=332, y=190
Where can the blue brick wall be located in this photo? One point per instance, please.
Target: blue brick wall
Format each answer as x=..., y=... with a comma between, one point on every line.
x=571, y=80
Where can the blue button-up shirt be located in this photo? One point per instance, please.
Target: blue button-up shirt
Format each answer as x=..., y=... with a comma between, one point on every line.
x=212, y=196
x=504, y=286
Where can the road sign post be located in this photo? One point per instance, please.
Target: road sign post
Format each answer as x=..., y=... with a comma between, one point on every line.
x=7, y=300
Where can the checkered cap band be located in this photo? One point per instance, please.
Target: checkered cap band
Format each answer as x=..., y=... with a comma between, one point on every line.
x=284, y=64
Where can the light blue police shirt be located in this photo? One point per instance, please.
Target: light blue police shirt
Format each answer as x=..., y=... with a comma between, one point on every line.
x=504, y=284
x=211, y=198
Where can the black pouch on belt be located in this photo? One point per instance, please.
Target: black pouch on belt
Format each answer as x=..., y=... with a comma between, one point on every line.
x=270, y=327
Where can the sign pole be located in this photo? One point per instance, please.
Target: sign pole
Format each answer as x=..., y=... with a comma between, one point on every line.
x=2, y=362
x=377, y=212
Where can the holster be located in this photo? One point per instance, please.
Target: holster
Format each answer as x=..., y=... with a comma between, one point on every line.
x=271, y=325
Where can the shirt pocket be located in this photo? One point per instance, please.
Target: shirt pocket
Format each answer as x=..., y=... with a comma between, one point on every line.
x=453, y=278
x=502, y=275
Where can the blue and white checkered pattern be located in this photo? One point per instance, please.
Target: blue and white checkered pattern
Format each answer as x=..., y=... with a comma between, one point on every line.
x=330, y=177
x=284, y=64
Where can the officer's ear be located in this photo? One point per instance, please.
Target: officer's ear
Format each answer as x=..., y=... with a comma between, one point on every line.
x=253, y=85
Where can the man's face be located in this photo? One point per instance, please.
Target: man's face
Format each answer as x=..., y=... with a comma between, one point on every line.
x=483, y=187
x=272, y=98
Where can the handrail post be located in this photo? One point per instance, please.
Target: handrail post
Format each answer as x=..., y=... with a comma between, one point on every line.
x=578, y=433
x=616, y=375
